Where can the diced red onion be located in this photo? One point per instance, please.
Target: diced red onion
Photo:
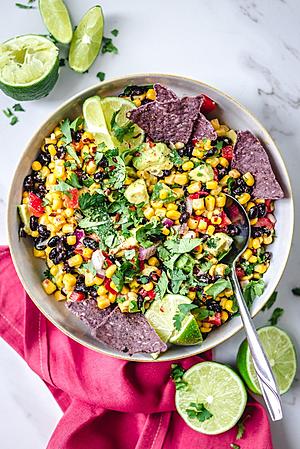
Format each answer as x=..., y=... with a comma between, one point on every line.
x=271, y=218
x=80, y=234
x=190, y=235
x=145, y=253
x=183, y=228
x=97, y=261
x=189, y=205
x=167, y=222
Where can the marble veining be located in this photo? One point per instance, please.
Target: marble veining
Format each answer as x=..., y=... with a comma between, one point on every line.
x=248, y=48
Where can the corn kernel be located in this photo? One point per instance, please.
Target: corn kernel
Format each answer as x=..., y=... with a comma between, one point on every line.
x=75, y=260
x=173, y=214
x=224, y=316
x=221, y=200
x=112, y=298
x=252, y=259
x=194, y=187
x=192, y=224
x=191, y=295
x=149, y=213
x=45, y=171
x=244, y=198
x=169, y=179
x=137, y=102
x=253, y=221
x=247, y=278
x=198, y=153
x=248, y=178
x=224, y=162
x=234, y=173
x=54, y=270
x=150, y=94
x=260, y=201
x=223, y=182
x=247, y=254
x=215, y=123
x=179, y=192
x=163, y=194
x=101, y=290
x=228, y=305
x=98, y=281
x=268, y=240
x=210, y=202
x=36, y=166
x=103, y=302
x=187, y=166
x=148, y=287
x=250, y=205
x=202, y=225
x=59, y=168
x=59, y=296
x=216, y=220
x=39, y=253
x=165, y=231
x=48, y=286
x=172, y=206
x=256, y=276
x=220, y=269
x=211, y=185
x=67, y=229
x=160, y=212
x=153, y=261
x=51, y=179
x=34, y=233
x=124, y=306
x=250, y=243
x=57, y=204
x=212, y=270
x=91, y=167
x=69, y=279
x=210, y=230
x=205, y=330
x=124, y=290
x=181, y=179
x=69, y=211
x=87, y=253
x=256, y=243
x=260, y=268
x=110, y=271
x=198, y=203
x=228, y=292
x=52, y=150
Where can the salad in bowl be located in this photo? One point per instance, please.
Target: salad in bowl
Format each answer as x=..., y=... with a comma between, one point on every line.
x=126, y=206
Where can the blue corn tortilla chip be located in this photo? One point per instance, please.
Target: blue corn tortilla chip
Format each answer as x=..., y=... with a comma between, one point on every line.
x=89, y=312
x=130, y=333
x=164, y=94
x=171, y=121
x=203, y=129
x=250, y=156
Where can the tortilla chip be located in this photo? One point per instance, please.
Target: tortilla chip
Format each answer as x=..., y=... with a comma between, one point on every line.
x=89, y=312
x=164, y=94
x=203, y=129
x=250, y=156
x=130, y=333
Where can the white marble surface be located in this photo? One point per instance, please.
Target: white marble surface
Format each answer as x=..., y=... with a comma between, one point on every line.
x=247, y=48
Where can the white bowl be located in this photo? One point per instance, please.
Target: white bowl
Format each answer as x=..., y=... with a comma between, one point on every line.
x=30, y=269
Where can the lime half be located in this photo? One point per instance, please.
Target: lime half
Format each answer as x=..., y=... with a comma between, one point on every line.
x=87, y=40
x=160, y=316
x=57, y=20
x=219, y=389
x=95, y=121
x=28, y=67
x=129, y=135
x=281, y=354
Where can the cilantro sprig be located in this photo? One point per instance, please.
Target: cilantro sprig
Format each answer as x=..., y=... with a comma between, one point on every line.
x=177, y=373
x=198, y=412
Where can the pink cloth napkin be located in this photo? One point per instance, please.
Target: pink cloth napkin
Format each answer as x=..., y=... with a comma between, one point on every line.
x=107, y=403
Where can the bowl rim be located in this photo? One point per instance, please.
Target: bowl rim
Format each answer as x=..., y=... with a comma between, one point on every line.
x=127, y=78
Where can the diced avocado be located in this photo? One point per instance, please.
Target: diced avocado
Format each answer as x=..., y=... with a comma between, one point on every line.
x=218, y=244
x=203, y=173
x=153, y=159
x=25, y=217
x=137, y=193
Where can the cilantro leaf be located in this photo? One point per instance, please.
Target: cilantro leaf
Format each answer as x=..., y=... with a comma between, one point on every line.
x=73, y=154
x=218, y=287
x=175, y=158
x=296, y=291
x=133, y=306
x=240, y=430
x=234, y=446
x=89, y=267
x=277, y=313
x=147, y=233
x=88, y=201
x=171, y=196
x=270, y=301
x=177, y=373
x=13, y=120
x=66, y=130
x=74, y=181
x=18, y=107
x=181, y=246
x=47, y=274
x=101, y=76
x=198, y=411
x=162, y=285
x=252, y=290
x=108, y=46
x=219, y=145
x=115, y=32
x=205, y=266
x=63, y=187
x=121, y=131
x=76, y=123
x=23, y=6
x=183, y=311
x=177, y=278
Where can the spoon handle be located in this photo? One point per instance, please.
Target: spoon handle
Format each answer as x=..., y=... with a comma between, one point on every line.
x=262, y=367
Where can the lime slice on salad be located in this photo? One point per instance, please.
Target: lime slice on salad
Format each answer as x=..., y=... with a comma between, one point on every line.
x=281, y=354
x=219, y=389
x=124, y=133
x=95, y=121
x=57, y=20
x=28, y=67
x=160, y=315
x=86, y=40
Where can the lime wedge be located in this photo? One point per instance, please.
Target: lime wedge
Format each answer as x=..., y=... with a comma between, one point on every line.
x=95, y=121
x=118, y=107
x=87, y=40
x=160, y=316
x=221, y=392
x=281, y=354
x=57, y=20
x=28, y=67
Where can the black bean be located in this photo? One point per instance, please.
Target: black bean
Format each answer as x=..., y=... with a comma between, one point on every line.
x=81, y=288
x=210, y=153
x=60, y=246
x=267, y=256
x=213, y=305
x=233, y=230
x=28, y=183
x=253, y=212
x=93, y=293
x=44, y=158
x=90, y=243
x=40, y=243
x=53, y=254
x=33, y=223
x=40, y=190
x=60, y=152
x=222, y=172
x=36, y=176
x=43, y=231
x=204, y=278
x=188, y=150
x=166, y=172
x=140, y=301
x=99, y=176
x=103, y=163
x=257, y=232
x=53, y=241
x=261, y=210
x=22, y=233
x=184, y=217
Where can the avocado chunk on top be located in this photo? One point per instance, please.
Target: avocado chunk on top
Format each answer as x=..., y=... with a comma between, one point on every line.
x=218, y=244
x=25, y=217
x=137, y=193
x=154, y=159
x=202, y=172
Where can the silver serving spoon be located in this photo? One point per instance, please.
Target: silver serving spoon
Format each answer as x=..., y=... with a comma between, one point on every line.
x=267, y=382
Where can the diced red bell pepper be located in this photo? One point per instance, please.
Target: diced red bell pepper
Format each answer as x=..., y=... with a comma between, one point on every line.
x=77, y=296
x=227, y=152
x=216, y=319
x=196, y=195
x=107, y=282
x=240, y=272
x=268, y=204
x=225, y=220
x=208, y=104
x=143, y=293
x=142, y=264
x=71, y=200
x=264, y=222
x=35, y=205
x=234, y=213
x=151, y=294
x=216, y=174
